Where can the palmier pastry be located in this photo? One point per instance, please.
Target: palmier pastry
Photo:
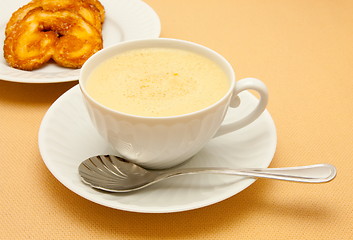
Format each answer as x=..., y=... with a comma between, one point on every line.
x=19, y=15
x=87, y=10
x=61, y=35
x=99, y=6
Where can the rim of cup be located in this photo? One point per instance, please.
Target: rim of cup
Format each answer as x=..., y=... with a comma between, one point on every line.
x=111, y=51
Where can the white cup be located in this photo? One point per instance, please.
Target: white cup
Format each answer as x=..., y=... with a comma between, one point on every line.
x=163, y=142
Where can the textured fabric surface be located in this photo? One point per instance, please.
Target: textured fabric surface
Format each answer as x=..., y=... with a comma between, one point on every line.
x=301, y=49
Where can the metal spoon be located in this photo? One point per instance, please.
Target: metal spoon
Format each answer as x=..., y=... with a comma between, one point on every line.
x=114, y=174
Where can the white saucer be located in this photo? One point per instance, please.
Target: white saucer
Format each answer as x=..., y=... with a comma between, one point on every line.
x=66, y=137
x=125, y=20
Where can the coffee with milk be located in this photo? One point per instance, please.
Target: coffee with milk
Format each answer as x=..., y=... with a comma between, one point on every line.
x=157, y=82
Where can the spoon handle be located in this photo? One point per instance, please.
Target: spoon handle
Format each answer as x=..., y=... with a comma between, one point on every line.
x=317, y=173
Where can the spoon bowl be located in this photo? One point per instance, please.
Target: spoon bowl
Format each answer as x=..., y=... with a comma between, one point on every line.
x=114, y=174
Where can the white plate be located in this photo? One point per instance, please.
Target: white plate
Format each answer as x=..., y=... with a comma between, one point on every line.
x=125, y=20
x=67, y=137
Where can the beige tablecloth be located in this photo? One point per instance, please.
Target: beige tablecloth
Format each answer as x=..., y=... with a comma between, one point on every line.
x=302, y=50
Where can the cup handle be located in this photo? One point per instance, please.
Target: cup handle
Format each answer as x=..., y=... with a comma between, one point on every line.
x=244, y=84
